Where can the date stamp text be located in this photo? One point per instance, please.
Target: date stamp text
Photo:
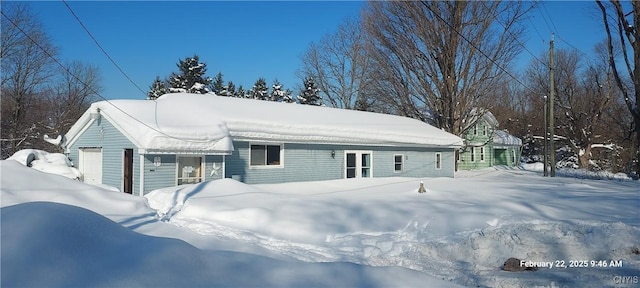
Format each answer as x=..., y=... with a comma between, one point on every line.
x=561, y=264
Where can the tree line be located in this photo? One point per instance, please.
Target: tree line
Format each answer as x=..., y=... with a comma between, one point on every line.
x=191, y=78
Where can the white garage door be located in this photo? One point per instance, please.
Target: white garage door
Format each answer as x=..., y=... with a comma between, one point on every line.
x=91, y=165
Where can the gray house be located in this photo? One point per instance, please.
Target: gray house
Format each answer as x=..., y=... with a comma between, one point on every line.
x=142, y=145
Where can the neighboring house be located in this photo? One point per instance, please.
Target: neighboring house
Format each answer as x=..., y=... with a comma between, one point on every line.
x=486, y=146
x=142, y=145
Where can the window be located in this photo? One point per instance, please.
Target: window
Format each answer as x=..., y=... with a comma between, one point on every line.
x=366, y=165
x=351, y=165
x=481, y=154
x=357, y=164
x=473, y=154
x=484, y=130
x=398, y=163
x=438, y=161
x=265, y=155
x=475, y=130
x=513, y=156
x=189, y=170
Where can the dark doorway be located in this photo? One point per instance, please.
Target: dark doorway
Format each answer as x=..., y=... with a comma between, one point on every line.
x=128, y=171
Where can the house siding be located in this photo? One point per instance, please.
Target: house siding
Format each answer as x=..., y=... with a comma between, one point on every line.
x=493, y=155
x=159, y=177
x=103, y=134
x=313, y=162
x=165, y=175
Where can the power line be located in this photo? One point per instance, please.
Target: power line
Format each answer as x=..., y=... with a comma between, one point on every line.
x=102, y=49
x=549, y=15
x=478, y=49
x=89, y=86
x=516, y=38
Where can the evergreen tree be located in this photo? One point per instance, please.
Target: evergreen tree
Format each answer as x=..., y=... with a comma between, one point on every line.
x=191, y=78
x=259, y=90
x=217, y=85
x=240, y=93
x=231, y=89
x=287, y=98
x=157, y=89
x=309, y=93
x=277, y=94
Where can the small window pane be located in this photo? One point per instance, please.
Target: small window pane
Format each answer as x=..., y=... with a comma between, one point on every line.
x=365, y=172
x=273, y=155
x=398, y=167
x=438, y=161
x=258, y=155
x=351, y=160
x=366, y=160
x=351, y=172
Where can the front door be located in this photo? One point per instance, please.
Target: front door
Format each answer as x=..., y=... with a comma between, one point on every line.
x=357, y=164
x=127, y=171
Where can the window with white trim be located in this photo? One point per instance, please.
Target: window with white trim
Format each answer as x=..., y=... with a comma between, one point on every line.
x=398, y=163
x=189, y=170
x=473, y=154
x=481, y=154
x=265, y=155
x=357, y=164
x=484, y=130
x=438, y=160
x=513, y=156
x=475, y=130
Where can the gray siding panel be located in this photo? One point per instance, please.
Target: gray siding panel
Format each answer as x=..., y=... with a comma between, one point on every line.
x=313, y=162
x=103, y=134
x=159, y=177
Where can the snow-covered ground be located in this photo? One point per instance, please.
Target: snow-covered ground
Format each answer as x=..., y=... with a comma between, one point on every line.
x=341, y=233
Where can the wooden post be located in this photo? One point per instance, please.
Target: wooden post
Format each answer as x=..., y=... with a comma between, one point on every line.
x=552, y=150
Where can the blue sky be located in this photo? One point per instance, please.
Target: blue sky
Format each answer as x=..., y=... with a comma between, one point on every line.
x=245, y=40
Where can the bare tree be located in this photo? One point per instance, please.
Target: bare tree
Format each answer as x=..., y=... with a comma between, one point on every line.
x=26, y=68
x=584, y=93
x=434, y=60
x=627, y=34
x=339, y=65
x=72, y=93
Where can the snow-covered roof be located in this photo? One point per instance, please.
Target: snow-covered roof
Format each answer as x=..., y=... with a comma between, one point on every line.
x=181, y=121
x=476, y=114
x=503, y=138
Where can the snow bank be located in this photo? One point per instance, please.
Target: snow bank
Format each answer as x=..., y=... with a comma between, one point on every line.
x=53, y=244
x=54, y=163
x=91, y=251
x=577, y=173
x=461, y=230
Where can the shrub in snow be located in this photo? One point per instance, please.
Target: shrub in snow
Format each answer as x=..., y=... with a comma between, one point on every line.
x=54, y=163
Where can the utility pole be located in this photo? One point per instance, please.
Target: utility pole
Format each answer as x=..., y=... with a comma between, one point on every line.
x=552, y=150
x=545, y=162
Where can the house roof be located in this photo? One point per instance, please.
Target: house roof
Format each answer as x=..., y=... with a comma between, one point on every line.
x=503, y=138
x=476, y=114
x=197, y=122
